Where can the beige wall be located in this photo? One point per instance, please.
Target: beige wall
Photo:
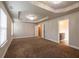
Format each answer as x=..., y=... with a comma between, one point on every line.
x=9, y=38
x=22, y=30
x=51, y=29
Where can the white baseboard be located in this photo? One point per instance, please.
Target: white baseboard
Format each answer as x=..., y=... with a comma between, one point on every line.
x=52, y=40
x=69, y=45
x=74, y=47
x=6, y=49
x=55, y=41
x=23, y=37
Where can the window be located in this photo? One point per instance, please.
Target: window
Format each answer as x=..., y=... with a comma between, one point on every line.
x=3, y=28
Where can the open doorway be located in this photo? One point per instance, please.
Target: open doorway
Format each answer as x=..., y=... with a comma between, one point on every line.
x=63, y=32
x=39, y=30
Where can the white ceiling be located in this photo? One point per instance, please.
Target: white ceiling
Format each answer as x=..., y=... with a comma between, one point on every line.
x=44, y=10
x=63, y=4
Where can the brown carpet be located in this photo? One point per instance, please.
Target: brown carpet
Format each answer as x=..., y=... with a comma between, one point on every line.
x=39, y=48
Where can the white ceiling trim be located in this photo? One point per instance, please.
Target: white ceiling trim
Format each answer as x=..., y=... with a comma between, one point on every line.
x=44, y=18
x=39, y=4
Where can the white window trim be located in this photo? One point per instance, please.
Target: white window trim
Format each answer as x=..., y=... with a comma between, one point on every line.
x=2, y=45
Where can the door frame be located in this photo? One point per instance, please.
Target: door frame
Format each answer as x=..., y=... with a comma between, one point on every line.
x=42, y=30
x=68, y=31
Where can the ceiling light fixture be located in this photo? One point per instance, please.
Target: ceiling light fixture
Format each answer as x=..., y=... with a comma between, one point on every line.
x=56, y=2
x=30, y=17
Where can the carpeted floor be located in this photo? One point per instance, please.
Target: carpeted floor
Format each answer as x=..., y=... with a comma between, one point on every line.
x=39, y=48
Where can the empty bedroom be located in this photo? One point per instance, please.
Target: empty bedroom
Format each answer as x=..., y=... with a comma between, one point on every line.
x=39, y=29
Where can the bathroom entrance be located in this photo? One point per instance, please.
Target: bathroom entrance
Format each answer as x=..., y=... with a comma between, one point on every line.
x=63, y=32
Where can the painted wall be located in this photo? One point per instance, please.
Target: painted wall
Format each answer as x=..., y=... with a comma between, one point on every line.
x=22, y=30
x=9, y=37
x=51, y=29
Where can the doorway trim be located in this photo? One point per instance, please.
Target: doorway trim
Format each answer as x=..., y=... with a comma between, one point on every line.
x=67, y=31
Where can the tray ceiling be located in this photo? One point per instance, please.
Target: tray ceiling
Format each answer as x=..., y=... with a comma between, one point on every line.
x=43, y=10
